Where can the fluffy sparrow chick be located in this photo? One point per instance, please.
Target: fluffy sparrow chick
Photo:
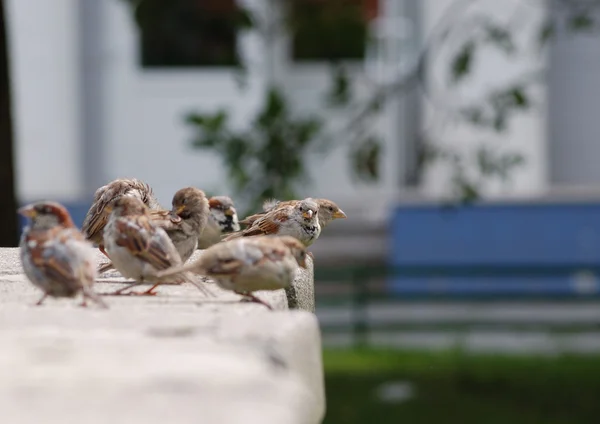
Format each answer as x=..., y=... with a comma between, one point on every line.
x=56, y=257
x=186, y=222
x=328, y=211
x=137, y=247
x=97, y=216
x=299, y=220
x=246, y=265
x=223, y=219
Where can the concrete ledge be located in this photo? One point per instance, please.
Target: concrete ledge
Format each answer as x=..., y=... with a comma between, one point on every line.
x=177, y=357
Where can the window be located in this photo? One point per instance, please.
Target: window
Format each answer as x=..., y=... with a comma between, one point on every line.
x=330, y=29
x=187, y=33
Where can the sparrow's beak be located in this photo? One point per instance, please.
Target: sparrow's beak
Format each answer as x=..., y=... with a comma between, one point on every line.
x=28, y=211
x=339, y=214
x=308, y=214
x=229, y=212
x=179, y=209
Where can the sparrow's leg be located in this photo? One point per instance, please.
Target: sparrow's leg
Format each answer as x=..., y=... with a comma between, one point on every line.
x=120, y=291
x=254, y=299
x=150, y=291
x=101, y=248
x=39, y=302
x=83, y=303
x=90, y=294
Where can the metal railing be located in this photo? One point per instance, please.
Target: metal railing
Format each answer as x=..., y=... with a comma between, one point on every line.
x=363, y=291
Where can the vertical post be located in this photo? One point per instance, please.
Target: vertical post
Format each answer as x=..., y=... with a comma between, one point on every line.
x=92, y=93
x=8, y=204
x=360, y=301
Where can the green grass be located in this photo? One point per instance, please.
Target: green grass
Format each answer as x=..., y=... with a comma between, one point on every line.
x=454, y=387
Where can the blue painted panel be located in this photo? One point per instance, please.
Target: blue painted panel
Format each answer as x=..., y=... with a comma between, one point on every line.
x=496, y=235
x=565, y=237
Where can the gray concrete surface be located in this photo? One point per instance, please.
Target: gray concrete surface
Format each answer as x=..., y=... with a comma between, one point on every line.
x=301, y=295
x=175, y=357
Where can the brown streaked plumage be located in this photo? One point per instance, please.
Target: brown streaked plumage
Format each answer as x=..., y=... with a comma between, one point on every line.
x=299, y=220
x=328, y=211
x=97, y=217
x=56, y=257
x=246, y=265
x=137, y=247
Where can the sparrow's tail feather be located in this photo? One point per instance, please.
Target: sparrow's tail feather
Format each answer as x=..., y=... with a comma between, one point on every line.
x=200, y=286
x=184, y=276
x=89, y=293
x=174, y=271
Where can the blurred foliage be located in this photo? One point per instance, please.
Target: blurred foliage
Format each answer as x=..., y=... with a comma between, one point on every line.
x=335, y=30
x=267, y=159
x=390, y=387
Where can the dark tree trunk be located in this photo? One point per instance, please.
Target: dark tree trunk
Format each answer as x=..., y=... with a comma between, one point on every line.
x=8, y=205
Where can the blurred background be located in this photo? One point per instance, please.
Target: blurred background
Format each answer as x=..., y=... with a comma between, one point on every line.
x=459, y=136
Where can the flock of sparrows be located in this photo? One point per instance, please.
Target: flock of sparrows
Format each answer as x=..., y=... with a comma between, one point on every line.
x=149, y=244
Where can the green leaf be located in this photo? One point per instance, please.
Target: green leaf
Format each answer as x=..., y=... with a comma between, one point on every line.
x=547, y=31
x=244, y=19
x=519, y=97
x=366, y=158
x=461, y=64
x=194, y=119
x=499, y=36
x=581, y=21
x=340, y=93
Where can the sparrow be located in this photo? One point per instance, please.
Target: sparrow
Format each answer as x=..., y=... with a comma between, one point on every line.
x=299, y=220
x=328, y=211
x=246, y=265
x=183, y=224
x=138, y=247
x=97, y=216
x=186, y=222
x=223, y=219
x=56, y=257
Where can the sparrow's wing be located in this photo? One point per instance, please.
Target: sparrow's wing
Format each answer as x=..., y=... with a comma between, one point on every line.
x=268, y=223
x=231, y=258
x=95, y=220
x=166, y=220
x=57, y=262
x=97, y=217
x=147, y=242
x=249, y=220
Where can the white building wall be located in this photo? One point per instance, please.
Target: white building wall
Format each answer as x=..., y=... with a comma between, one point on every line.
x=144, y=134
x=44, y=71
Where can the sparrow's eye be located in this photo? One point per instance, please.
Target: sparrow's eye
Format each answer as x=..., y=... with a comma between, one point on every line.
x=331, y=208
